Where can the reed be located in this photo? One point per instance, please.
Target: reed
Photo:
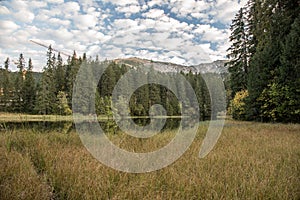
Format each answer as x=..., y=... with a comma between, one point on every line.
x=250, y=161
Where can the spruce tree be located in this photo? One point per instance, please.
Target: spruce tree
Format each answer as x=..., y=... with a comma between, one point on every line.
x=46, y=98
x=272, y=28
x=59, y=74
x=71, y=72
x=289, y=75
x=29, y=90
x=18, y=86
x=6, y=87
x=238, y=54
x=272, y=54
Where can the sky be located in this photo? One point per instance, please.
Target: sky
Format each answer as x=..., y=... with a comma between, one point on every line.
x=186, y=32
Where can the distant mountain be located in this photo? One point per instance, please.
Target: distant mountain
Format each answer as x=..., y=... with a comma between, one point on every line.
x=214, y=67
x=217, y=66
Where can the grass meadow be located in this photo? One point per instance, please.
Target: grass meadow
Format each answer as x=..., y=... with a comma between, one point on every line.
x=250, y=161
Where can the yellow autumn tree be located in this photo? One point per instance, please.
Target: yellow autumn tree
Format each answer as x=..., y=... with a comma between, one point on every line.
x=237, y=105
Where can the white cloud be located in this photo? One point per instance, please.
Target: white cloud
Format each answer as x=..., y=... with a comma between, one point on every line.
x=38, y=4
x=44, y=14
x=129, y=9
x=85, y=26
x=24, y=16
x=226, y=9
x=85, y=21
x=177, y=60
x=33, y=30
x=19, y=5
x=211, y=34
x=22, y=37
x=87, y=4
x=4, y=10
x=62, y=35
x=125, y=24
x=59, y=22
x=123, y=3
x=199, y=10
x=94, y=50
x=156, y=2
x=42, y=17
x=8, y=26
x=55, y=1
x=149, y=23
x=70, y=7
x=154, y=13
x=111, y=52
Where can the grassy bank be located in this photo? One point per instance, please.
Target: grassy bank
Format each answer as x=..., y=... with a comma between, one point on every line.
x=20, y=117
x=250, y=161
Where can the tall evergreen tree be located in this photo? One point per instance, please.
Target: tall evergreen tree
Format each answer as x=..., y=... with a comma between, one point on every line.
x=238, y=53
x=275, y=24
x=18, y=86
x=6, y=87
x=71, y=72
x=272, y=44
x=108, y=80
x=59, y=74
x=46, y=98
x=29, y=90
x=289, y=75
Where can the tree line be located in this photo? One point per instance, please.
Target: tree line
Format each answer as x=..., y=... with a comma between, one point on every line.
x=51, y=91
x=264, y=61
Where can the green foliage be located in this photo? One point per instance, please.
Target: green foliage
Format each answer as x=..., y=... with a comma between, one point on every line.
x=273, y=55
x=46, y=97
x=59, y=74
x=5, y=84
x=51, y=92
x=279, y=104
x=238, y=53
x=121, y=106
x=70, y=76
x=18, y=86
x=103, y=105
x=29, y=90
x=62, y=104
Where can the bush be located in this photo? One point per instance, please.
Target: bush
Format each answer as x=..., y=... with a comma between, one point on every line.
x=237, y=105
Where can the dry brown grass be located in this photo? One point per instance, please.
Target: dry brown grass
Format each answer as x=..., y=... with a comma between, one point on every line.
x=250, y=161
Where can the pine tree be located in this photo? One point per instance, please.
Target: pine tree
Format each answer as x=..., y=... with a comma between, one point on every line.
x=154, y=89
x=71, y=72
x=84, y=88
x=289, y=75
x=46, y=98
x=18, y=93
x=29, y=90
x=238, y=54
x=62, y=107
x=108, y=80
x=59, y=74
x=6, y=87
x=272, y=48
x=275, y=19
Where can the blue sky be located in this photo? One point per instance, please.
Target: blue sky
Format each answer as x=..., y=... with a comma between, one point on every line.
x=185, y=32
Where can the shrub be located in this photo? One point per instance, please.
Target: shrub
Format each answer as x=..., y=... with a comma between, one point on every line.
x=237, y=105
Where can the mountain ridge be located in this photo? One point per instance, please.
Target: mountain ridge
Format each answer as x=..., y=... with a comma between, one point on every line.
x=217, y=66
